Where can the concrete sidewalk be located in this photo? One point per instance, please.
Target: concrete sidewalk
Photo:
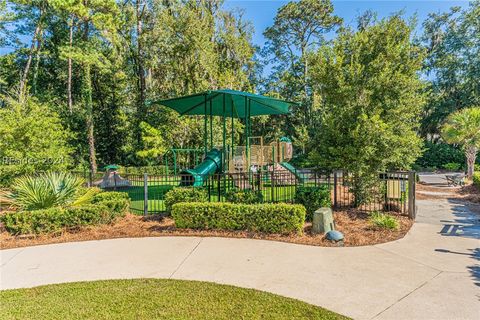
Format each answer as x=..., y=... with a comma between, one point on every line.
x=432, y=273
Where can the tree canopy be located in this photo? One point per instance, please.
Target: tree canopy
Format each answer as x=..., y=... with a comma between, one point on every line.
x=367, y=94
x=371, y=97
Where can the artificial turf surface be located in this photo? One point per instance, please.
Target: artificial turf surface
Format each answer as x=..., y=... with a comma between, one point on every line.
x=152, y=299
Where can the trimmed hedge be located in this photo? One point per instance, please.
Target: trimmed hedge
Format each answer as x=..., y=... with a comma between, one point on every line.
x=244, y=196
x=178, y=195
x=109, y=196
x=104, y=209
x=313, y=198
x=269, y=218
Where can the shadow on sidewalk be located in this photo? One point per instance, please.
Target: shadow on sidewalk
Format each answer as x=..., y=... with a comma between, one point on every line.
x=466, y=223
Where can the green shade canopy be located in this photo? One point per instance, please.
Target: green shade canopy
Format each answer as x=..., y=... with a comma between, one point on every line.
x=111, y=167
x=229, y=103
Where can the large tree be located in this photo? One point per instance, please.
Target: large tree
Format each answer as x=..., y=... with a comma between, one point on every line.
x=370, y=97
x=453, y=43
x=99, y=24
x=463, y=128
x=299, y=27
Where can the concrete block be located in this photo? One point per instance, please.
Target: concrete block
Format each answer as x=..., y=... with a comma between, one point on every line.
x=322, y=221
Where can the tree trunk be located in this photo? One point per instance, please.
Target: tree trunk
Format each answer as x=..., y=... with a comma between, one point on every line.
x=471, y=155
x=141, y=112
x=87, y=96
x=87, y=92
x=69, y=79
x=37, y=62
x=26, y=70
x=307, y=112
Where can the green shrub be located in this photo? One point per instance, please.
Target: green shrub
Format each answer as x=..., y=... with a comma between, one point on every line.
x=32, y=138
x=108, y=196
x=244, y=196
x=107, y=206
x=153, y=170
x=184, y=195
x=383, y=221
x=436, y=155
x=313, y=198
x=277, y=218
x=476, y=179
x=452, y=166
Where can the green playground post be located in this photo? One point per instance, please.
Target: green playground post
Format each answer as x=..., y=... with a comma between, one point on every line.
x=224, y=143
x=205, y=127
x=272, y=180
x=174, y=162
x=211, y=125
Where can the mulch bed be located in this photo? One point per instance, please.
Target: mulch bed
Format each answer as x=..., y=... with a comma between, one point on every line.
x=353, y=224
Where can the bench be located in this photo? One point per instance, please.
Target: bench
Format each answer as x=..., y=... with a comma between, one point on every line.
x=455, y=180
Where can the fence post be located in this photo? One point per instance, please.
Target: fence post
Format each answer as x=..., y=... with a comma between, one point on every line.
x=335, y=182
x=115, y=181
x=145, y=194
x=411, y=195
x=219, y=180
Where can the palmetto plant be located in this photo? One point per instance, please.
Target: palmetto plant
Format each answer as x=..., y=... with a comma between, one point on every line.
x=46, y=190
x=463, y=128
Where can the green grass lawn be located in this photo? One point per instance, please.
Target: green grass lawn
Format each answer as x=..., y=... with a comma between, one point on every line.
x=152, y=299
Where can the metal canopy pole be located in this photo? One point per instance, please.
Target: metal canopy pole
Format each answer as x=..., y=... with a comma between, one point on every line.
x=211, y=125
x=224, y=138
x=224, y=144
x=249, y=133
x=233, y=133
x=174, y=162
x=205, y=134
x=246, y=132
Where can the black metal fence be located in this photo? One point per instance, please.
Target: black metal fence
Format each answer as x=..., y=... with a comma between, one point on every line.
x=392, y=191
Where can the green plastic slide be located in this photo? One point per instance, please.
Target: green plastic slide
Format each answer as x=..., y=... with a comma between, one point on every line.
x=197, y=176
x=293, y=170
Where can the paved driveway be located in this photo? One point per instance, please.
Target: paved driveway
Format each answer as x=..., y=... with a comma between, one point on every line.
x=433, y=273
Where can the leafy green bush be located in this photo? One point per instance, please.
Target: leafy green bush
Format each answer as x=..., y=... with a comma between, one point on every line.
x=302, y=161
x=437, y=155
x=244, y=196
x=184, y=195
x=269, y=218
x=476, y=179
x=108, y=196
x=452, y=166
x=54, y=220
x=159, y=170
x=383, y=221
x=32, y=139
x=313, y=198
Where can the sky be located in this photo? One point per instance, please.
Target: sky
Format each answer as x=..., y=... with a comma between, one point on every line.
x=261, y=13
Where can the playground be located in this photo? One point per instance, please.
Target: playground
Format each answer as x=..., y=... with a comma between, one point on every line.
x=233, y=162
x=231, y=159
